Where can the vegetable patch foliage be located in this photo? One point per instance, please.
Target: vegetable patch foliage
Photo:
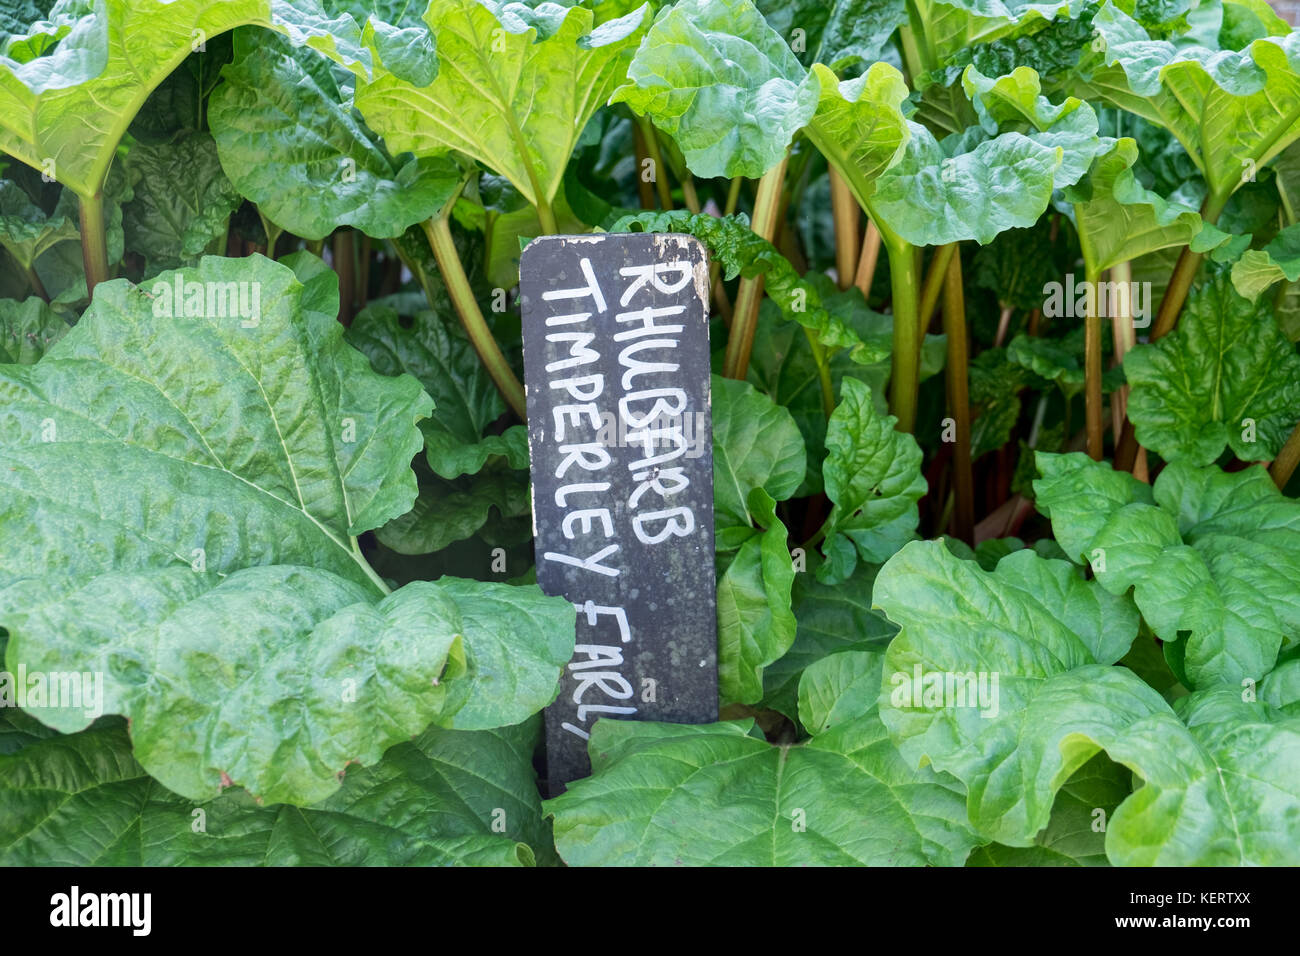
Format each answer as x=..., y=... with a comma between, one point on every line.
x=1006, y=424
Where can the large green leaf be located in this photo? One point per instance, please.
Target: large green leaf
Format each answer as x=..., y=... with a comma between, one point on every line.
x=831, y=618
x=25, y=230
x=108, y=59
x=1232, y=111
x=1226, y=376
x=672, y=794
x=1213, y=557
x=182, y=203
x=1076, y=833
x=718, y=79
x=1118, y=219
x=466, y=402
x=991, y=177
x=1218, y=786
x=27, y=329
x=873, y=479
x=1257, y=269
x=450, y=511
x=203, y=478
x=1032, y=637
x=755, y=445
x=755, y=623
x=289, y=141
x=506, y=95
x=859, y=125
x=81, y=800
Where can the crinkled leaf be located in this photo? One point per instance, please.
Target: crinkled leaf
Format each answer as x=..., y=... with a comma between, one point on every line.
x=673, y=794
x=1218, y=787
x=447, y=511
x=505, y=96
x=1060, y=361
x=995, y=384
x=202, y=477
x=1042, y=633
x=1213, y=557
x=1118, y=219
x=27, y=329
x=1257, y=269
x=873, y=479
x=466, y=402
x=182, y=202
x=831, y=618
x=82, y=800
x=1232, y=111
x=782, y=365
x=1226, y=376
x=25, y=230
x=990, y=178
x=843, y=34
x=111, y=55
x=723, y=84
x=755, y=445
x=755, y=623
x=949, y=26
x=289, y=141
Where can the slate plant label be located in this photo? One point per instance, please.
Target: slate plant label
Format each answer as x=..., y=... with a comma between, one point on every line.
x=616, y=359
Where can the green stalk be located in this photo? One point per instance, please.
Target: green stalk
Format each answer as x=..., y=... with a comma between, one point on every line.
x=733, y=195
x=1287, y=459
x=94, y=240
x=689, y=196
x=744, y=321
x=644, y=191
x=273, y=233
x=438, y=232
x=546, y=216
x=1092, y=370
x=903, y=276
x=954, y=325
x=934, y=283
x=369, y=571
x=657, y=161
x=1185, y=269
x=316, y=247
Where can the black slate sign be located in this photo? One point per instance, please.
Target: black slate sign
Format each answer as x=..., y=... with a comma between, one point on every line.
x=616, y=358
